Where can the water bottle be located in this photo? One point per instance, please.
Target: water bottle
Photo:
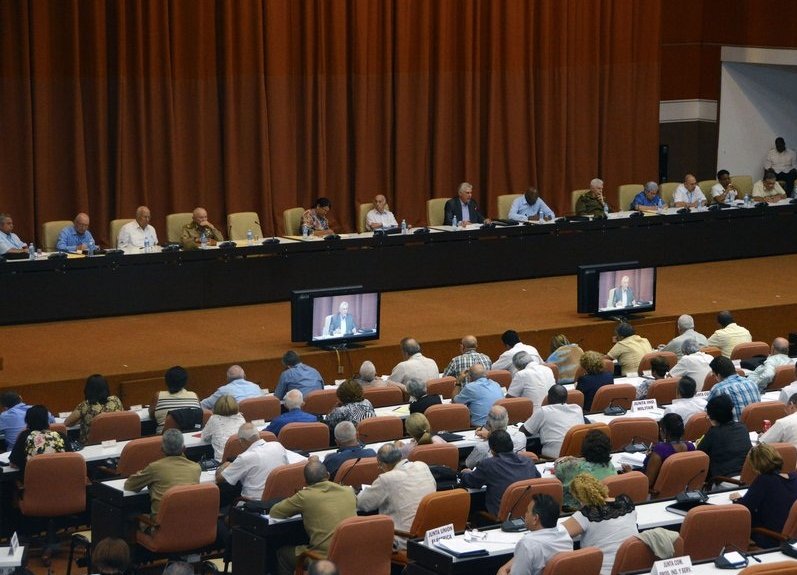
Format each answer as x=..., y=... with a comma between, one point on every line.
x=454, y=222
x=203, y=240
x=305, y=231
x=404, y=227
x=147, y=245
x=747, y=200
x=250, y=237
x=91, y=248
x=731, y=196
x=606, y=210
x=31, y=251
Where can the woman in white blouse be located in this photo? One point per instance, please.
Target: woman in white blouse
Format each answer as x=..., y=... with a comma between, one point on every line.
x=224, y=422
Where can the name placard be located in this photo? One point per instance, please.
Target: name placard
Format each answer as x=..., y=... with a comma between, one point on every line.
x=641, y=405
x=108, y=443
x=674, y=566
x=13, y=544
x=434, y=535
x=702, y=394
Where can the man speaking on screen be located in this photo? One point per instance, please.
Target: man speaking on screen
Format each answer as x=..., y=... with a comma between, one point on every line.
x=622, y=296
x=342, y=323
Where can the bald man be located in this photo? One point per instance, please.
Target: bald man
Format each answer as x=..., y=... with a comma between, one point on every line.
x=76, y=237
x=765, y=373
x=380, y=218
x=191, y=235
x=689, y=194
x=133, y=235
x=459, y=365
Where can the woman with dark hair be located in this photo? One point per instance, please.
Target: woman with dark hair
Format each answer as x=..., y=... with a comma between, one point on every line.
x=36, y=439
x=98, y=399
x=352, y=405
x=671, y=431
x=315, y=220
x=176, y=396
x=727, y=441
x=596, y=459
x=111, y=556
x=595, y=378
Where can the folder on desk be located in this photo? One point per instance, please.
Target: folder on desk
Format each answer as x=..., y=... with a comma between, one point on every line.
x=684, y=507
x=450, y=437
x=461, y=548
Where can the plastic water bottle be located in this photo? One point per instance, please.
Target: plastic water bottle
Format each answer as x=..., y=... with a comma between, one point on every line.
x=31, y=251
x=147, y=245
x=203, y=241
x=606, y=210
x=404, y=227
x=747, y=200
x=731, y=196
x=305, y=231
x=250, y=237
x=91, y=248
x=454, y=222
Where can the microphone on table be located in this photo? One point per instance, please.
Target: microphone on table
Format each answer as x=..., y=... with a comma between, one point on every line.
x=692, y=495
x=345, y=475
x=613, y=409
x=636, y=446
x=723, y=562
x=516, y=524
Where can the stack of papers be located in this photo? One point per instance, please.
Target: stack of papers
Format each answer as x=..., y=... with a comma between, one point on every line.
x=460, y=548
x=632, y=459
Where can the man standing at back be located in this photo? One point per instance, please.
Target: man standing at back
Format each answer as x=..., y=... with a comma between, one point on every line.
x=415, y=364
x=297, y=375
x=252, y=467
x=513, y=345
x=460, y=364
x=136, y=233
x=729, y=335
x=686, y=330
x=782, y=161
x=237, y=386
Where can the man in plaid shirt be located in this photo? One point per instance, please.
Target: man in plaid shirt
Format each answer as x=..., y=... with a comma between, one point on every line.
x=741, y=390
x=460, y=364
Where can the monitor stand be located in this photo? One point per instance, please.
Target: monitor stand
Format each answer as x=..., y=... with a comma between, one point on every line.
x=339, y=346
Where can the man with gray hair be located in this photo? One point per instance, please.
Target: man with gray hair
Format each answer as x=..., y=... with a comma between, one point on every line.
x=532, y=380
x=237, y=386
x=136, y=234
x=179, y=568
x=252, y=467
x=9, y=241
x=592, y=203
x=423, y=400
x=293, y=402
x=297, y=375
x=479, y=395
x=497, y=418
x=686, y=330
x=349, y=447
x=366, y=376
x=693, y=362
x=648, y=200
x=398, y=490
x=173, y=469
x=765, y=373
x=414, y=365
x=463, y=208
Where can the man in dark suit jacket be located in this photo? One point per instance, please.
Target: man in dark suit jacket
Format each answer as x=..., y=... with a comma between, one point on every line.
x=342, y=323
x=616, y=297
x=454, y=207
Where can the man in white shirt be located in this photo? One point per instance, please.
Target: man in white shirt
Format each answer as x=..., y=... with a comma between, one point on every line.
x=497, y=418
x=768, y=189
x=511, y=341
x=9, y=241
x=133, y=235
x=689, y=194
x=729, y=334
x=415, y=365
x=686, y=404
x=686, y=330
x=253, y=466
x=380, y=218
x=693, y=363
x=724, y=191
x=782, y=161
x=765, y=373
x=549, y=423
x=531, y=380
x=784, y=430
x=789, y=390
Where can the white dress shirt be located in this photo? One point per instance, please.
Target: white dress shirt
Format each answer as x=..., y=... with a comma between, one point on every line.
x=784, y=161
x=686, y=407
x=504, y=360
x=132, y=235
x=551, y=422
x=482, y=448
x=695, y=365
x=386, y=218
x=784, y=430
x=533, y=381
x=787, y=392
x=683, y=195
x=253, y=466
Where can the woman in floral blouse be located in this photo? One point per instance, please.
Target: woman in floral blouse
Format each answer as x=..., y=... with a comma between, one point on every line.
x=353, y=405
x=36, y=439
x=98, y=399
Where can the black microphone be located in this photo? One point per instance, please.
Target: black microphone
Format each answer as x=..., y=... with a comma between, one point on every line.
x=345, y=475
x=517, y=524
x=692, y=496
x=613, y=409
x=722, y=562
x=744, y=554
x=635, y=446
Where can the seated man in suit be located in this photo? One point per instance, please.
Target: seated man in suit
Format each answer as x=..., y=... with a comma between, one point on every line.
x=342, y=323
x=464, y=207
x=622, y=296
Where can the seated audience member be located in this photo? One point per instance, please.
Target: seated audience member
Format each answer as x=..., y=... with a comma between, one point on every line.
x=479, y=395
x=783, y=430
x=414, y=365
x=419, y=431
x=671, y=432
x=136, y=233
x=596, y=459
x=315, y=219
x=237, y=386
x=763, y=375
x=768, y=189
x=223, y=424
x=543, y=540
x=592, y=203
x=293, y=402
x=463, y=207
x=323, y=567
x=659, y=369
x=628, y=348
x=349, y=447
x=97, y=399
x=297, y=375
x=416, y=389
x=771, y=494
x=176, y=396
x=459, y=365
x=739, y=389
x=726, y=442
x=789, y=390
x=37, y=438
x=380, y=217
x=9, y=241
x=159, y=476
x=530, y=208
x=513, y=345
x=178, y=568
x=531, y=380
x=497, y=419
x=366, y=376
x=602, y=521
x=192, y=233
x=595, y=378
x=729, y=335
x=689, y=194
x=548, y=424
x=111, y=556
x=693, y=363
x=499, y=471
x=565, y=356
x=686, y=330
x=322, y=504
x=352, y=405
x=76, y=237
x=12, y=418
x=685, y=403
x=648, y=200
x=782, y=161
x=253, y=466
x=724, y=191
x=398, y=490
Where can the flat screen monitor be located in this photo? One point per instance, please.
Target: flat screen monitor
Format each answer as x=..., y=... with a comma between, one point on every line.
x=616, y=289
x=334, y=316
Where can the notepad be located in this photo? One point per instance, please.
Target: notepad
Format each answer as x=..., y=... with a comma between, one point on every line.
x=461, y=548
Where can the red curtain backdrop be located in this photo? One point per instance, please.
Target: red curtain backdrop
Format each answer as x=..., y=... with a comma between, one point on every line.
x=264, y=105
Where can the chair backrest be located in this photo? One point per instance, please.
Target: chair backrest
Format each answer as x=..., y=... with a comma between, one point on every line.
x=585, y=561
x=668, y=356
x=113, y=231
x=574, y=396
x=518, y=408
x=784, y=375
x=362, y=212
x=554, y=368
x=441, y=508
x=676, y=470
x=238, y=223
x=743, y=183
x=608, y=367
x=50, y=231
x=436, y=454
x=517, y=496
x=175, y=223
x=500, y=376
x=713, y=351
x=384, y=396
x=667, y=191
x=266, y=408
x=788, y=453
x=503, y=203
x=633, y=483
x=633, y=554
x=706, y=186
x=435, y=211
x=41, y=474
x=708, y=528
x=381, y=428
x=59, y=427
x=139, y=453
x=233, y=447
x=710, y=381
x=186, y=419
x=305, y=436
x=749, y=349
x=284, y=481
x=621, y=394
x=571, y=444
x=790, y=527
x=195, y=505
x=776, y=568
x=355, y=472
x=360, y=541
x=574, y=195
x=664, y=391
x=448, y=417
x=626, y=194
x=754, y=414
x=292, y=221
x=696, y=426
x=118, y=425
x=441, y=386
x=624, y=430
x=320, y=402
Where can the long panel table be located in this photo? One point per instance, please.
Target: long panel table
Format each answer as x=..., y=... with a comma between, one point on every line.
x=46, y=290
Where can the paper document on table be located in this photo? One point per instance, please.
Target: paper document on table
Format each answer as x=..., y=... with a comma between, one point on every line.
x=632, y=459
x=460, y=548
